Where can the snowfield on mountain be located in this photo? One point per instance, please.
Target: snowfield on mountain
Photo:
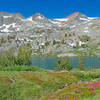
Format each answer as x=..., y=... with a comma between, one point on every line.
x=49, y=35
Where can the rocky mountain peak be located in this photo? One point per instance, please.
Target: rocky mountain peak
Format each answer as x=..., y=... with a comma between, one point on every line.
x=76, y=17
x=39, y=19
x=18, y=14
x=74, y=14
x=4, y=13
x=38, y=16
x=11, y=14
x=9, y=18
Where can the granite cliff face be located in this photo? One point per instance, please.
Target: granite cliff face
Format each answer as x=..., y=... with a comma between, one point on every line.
x=48, y=35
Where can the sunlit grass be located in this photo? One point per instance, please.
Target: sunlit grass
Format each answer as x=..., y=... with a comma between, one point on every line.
x=39, y=84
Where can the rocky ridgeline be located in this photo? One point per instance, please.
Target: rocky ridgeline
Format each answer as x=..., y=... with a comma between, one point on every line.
x=48, y=35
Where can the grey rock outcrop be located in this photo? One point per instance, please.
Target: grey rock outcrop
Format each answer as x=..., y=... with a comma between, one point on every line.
x=48, y=35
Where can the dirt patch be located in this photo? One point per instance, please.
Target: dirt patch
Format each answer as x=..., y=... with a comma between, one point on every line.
x=66, y=55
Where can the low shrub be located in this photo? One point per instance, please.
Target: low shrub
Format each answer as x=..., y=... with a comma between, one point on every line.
x=21, y=68
x=22, y=56
x=85, y=38
x=63, y=64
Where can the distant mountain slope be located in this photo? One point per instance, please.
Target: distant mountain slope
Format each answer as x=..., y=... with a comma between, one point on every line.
x=48, y=35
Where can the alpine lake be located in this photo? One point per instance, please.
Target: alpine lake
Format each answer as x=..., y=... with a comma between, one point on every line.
x=49, y=62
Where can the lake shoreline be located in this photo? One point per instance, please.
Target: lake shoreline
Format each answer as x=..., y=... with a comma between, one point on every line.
x=67, y=55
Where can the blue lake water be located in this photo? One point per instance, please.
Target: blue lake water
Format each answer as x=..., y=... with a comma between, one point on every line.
x=49, y=63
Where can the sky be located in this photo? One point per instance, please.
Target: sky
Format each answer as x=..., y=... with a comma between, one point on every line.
x=51, y=8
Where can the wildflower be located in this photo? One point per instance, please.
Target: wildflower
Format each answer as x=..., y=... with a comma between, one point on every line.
x=73, y=90
x=78, y=87
x=93, y=93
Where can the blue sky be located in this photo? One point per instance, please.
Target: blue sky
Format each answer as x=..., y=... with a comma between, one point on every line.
x=51, y=8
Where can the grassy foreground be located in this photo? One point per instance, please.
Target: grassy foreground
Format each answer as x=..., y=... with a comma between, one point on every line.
x=41, y=84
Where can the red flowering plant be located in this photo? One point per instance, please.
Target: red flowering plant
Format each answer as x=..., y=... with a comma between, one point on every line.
x=75, y=91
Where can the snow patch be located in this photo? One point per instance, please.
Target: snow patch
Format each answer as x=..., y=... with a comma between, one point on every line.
x=8, y=26
x=55, y=22
x=5, y=30
x=39, y=17
x=17, y=29
x=73, y=26
x=79, y=43
x=83, y=19
x=91, y=18
x=42, y=44
x=72, y=44
x=61, y=19
x=30, y=19
x=86, y=28
x=21, y=39
x=7, y=16
x=13, y=25
x=41, y=35
x=86, y=31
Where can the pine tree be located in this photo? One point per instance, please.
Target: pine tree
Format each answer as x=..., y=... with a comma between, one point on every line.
x=63, y=64
x=66, y=65
x=58, y=65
